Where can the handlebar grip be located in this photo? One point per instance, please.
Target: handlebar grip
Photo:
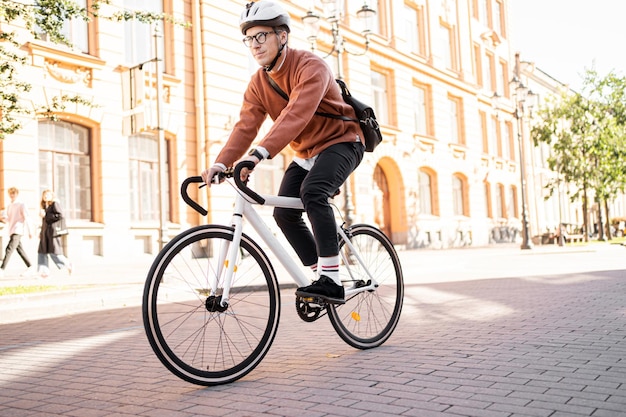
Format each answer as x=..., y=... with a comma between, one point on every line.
x=183, y=192
x=242, y=185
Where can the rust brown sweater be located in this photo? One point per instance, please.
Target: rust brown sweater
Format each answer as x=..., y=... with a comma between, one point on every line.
x=311, y=87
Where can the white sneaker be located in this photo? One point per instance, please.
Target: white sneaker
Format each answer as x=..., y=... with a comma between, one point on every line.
x=1, y=273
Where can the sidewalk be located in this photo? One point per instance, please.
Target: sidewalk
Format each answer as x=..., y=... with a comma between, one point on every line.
x=99, y=283
x=96, y=283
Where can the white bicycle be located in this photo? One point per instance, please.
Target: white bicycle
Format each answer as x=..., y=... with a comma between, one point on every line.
x=211, y=302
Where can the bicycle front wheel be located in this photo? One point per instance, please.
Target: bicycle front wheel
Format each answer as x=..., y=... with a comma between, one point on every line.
x=368, y=318
x=190, y=332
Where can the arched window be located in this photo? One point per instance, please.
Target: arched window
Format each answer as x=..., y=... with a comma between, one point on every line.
x=488, y=206
x=460, y=195
x=425, y=193
x=65, y=166
x=512, y=206
x=428, y=202
x=500, y=202
x=143, y=155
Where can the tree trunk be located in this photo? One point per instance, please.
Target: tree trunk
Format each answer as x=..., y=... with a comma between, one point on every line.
x=609, y=235
x=585, y=215
x=600, y=221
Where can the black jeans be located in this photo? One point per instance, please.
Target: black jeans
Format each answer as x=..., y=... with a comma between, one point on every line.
x=15, y=243
x=315, y=187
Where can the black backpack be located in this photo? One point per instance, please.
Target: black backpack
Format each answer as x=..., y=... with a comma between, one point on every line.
x=364, y=113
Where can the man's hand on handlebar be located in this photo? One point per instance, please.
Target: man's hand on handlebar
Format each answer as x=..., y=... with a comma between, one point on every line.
x=215, y=174
x=211, y=175
x=245, y=172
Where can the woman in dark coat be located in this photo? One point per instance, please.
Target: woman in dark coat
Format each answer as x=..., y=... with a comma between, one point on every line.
x=52, y=228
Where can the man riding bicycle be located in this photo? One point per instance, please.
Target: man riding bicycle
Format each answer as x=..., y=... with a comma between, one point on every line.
x=327, y=150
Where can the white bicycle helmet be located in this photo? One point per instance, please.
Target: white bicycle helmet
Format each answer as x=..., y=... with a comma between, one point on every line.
x=264, y=13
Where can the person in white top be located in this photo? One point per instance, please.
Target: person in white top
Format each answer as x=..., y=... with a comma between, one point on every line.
x=18, y=223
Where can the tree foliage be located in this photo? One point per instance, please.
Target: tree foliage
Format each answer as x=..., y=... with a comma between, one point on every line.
x=49, y=17
x=587, y=135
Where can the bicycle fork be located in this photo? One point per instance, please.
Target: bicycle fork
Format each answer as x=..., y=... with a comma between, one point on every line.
x=228, y=257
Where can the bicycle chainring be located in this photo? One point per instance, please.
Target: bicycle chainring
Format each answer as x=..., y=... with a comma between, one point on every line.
x=307, y=311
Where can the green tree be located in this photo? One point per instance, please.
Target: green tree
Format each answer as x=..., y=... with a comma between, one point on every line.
x=585, y=132
x=43, y=16
x=610, y=94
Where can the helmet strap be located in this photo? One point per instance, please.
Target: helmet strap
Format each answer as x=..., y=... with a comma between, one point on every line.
x=272, y=64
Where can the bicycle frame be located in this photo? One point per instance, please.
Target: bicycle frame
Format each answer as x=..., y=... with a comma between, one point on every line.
x=244, y=207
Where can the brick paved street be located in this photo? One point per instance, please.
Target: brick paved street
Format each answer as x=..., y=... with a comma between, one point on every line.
x=498, y=338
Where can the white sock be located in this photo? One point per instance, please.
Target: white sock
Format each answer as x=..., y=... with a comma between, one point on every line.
x=330, y=268
x=314, y=269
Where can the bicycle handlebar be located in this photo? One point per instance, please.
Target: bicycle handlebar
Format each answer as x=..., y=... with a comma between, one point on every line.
x=234, y=173
x=183, y=192
x=243, y=185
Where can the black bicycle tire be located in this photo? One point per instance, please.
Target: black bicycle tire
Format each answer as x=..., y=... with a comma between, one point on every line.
x=336, y=311
x=159, y=345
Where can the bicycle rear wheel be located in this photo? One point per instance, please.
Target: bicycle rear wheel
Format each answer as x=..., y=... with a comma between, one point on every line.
x=193, y=336
x=368, y=318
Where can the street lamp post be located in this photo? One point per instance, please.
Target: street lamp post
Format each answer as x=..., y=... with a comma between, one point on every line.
x=163, y=230
x=333, y=14
x=522, y=95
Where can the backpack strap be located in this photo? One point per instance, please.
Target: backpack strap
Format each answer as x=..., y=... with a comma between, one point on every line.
x=329, y=115
x=276, y=87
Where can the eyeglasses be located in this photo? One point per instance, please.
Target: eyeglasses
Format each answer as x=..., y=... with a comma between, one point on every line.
x=260, y=38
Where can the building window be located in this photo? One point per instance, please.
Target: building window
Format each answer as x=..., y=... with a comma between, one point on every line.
x=455, y=124
x=143, y=151
x=484, y=131
x=139, y=37
x=475, y=9
x=500, y=204
x=65, y=166
x=75, y=30
x=512, y=203
x=498, y=18
x=421, y=113
x=494, y=131
x=503, y=80
x=380, y=93
x=448, y=45
x=485, y=12
x=488, y=207
x=478, y=65
x=425, y=193
x=414, y=28
x=460, y=204
x=507, y=138
x=490, y=70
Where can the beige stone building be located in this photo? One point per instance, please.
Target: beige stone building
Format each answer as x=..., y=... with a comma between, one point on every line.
x=446, y=175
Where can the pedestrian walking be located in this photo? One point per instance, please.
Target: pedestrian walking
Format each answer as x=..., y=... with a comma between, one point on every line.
x=18, y=223
x=53, y=226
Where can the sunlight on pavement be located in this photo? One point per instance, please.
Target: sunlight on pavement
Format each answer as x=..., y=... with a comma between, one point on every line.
x=17, y=361
x=454, y=306
x=568, y=279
